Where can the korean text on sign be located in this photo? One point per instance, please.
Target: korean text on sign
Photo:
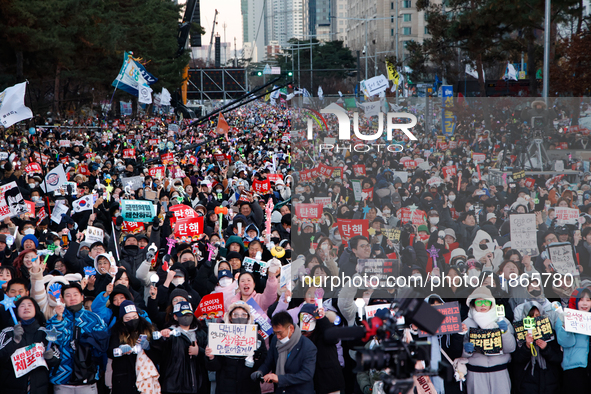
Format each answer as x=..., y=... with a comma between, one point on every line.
x=232, y=339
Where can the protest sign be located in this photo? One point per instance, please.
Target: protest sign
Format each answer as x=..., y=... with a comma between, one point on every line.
x=543, y=330
x=380, y=268
x=308, y=212
x=367, y=194
x=33, y=168
x=211, y=306
x=393, y=234
x=232, y=339
x=94, y=234
x=261, y=318
x=167, y=158
x=517, y=175
x=65, y=143
x=285, y=280
x=478, y=157
x=181, y=211
x=452, y=324
x=566, y=215
x=58, y=211
x=325, y=170
x=12, y=202
x=129, y=153
x=486, y=341
x=577, y=321
x=30, y=209
x=26, y=359
x=274, y=177
x=189, y=229
x=134, y=182
x=138, y=211
x=359, y=170
x=563, y=260
x=403, y=175
x=131, y=227
x=416, y=216
x=357, y=191
x=523, y=234
x=261, y=187
x=157, y=172
x=370, y=310
x=348, y=228
x=325, y=201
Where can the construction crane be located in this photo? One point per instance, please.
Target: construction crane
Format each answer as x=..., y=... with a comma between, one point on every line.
x=211, y=40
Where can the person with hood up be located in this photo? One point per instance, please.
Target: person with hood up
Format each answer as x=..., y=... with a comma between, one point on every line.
x=130, y=252
x=29, y=331
x=536, y=370
x=108, y=304
x=104, y=265
x=487, y=373
x=575, y=362
x=226, y=285
x=233, y=372
x=484, y=251
x=182, y=350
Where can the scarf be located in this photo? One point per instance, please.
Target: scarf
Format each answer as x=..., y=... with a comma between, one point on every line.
x=283, y=350
x=146, y=375
x=485, y=320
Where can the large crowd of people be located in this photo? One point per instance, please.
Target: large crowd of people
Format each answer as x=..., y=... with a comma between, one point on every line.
x=94, y=300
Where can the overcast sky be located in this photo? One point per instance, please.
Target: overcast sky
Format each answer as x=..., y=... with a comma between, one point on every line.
x=229, y=12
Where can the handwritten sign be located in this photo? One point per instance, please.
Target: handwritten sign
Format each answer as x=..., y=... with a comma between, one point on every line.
x=562, y=258
x=261, y=318
x=523, y=234
x=486, y=341
x=211, y=306
x=543, y=330
x=232, y=339
x=26, y=359
x=138, y=211
x=577, y=321
x=134, y=182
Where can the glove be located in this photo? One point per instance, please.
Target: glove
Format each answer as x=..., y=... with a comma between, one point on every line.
x=503, y=325
x=119, y=221
x=145, y=344
x=155, y=223
x=256, y=376
x=18, y=333
x=469, y=347
x=48, y=354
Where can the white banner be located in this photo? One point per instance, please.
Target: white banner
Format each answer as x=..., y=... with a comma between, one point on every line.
x=26, y=359
x=232, y=339
x=12, y=105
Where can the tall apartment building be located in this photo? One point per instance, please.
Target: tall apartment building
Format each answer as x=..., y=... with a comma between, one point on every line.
x=254, y=29
x=374, y=26
x=339, y=23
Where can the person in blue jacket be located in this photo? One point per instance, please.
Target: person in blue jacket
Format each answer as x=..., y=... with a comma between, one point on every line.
x=291, y=359
x=575, y=362
x=114, y=295
x=82, y=340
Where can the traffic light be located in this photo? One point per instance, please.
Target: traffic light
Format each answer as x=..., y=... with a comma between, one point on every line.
x=259, y=73
x=290, y=73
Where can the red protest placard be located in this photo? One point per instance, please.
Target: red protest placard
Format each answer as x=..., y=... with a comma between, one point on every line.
x=219, y=157
x=529, y=182
x=131, y=227
x=308, y=211
x=449, y=171
x=129, y=153
x=453, y=144
x=33, y=168
x=478, y=157
x=153, y=141
x=167, y=158
x=210, y=307
x=157, y=172
x=359, y=170
x=367, y=194
x=274, y=177
x=181, y=211
x=314, y=173
x=43, y=158
x=325, y=170
x=261, y=187
x=83, y=169
x=188, y=229
x=305, y=176
x=348, y=228
x=410, y=164
x=65, y=160
x=30, y=209
x=193, y=160
x=405, y=215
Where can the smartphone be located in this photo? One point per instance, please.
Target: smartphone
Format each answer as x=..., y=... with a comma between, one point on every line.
x=165, y=205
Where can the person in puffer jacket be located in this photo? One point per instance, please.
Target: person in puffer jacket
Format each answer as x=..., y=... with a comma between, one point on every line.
x=487, y=374
x=233, y=372
x=575, y=362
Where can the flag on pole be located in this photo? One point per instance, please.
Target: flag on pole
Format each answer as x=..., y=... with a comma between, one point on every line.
x=54, y=179
x=320, y=92
x=473, y=73
x=222, y=127
x=510, y=72
x=392, y=73
x=83, y=204
x=133, y=76
x=12, y=105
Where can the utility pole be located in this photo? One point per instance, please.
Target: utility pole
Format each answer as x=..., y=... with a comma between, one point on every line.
x=397, y=59
x=546, y=52
x=358, y=75
x=366, y=49
x=311, y=72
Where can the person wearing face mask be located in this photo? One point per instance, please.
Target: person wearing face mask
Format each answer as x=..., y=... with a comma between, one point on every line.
x=131, y=329
x=226, y=285
x=182, y=356
x=233, y=372
x=130, y=251
x=29, y=331
x=295, y=376
x=84, y=329
x=176, y=280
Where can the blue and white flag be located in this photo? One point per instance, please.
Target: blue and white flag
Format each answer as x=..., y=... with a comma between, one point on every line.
x=510, y=72
x=134, y=79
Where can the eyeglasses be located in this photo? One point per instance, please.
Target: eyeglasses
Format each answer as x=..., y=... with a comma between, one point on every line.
x=364, y=246
x=483, y=302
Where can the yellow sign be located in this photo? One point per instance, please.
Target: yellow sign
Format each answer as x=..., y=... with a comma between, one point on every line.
x=392, y=73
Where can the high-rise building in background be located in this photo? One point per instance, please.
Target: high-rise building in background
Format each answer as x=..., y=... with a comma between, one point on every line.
x=338, y=24
x=254, y=29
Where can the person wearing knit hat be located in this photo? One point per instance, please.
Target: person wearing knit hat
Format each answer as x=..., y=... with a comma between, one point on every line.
x=130, y=331
x=108, y=304
x=29, y=241
x=488, y=373
x=235, y=260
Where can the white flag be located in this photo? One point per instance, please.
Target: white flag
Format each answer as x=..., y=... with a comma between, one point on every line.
x=340, y=94
x=83, y=204
x=12, y=105
x=144, y=93
x=510, y=72
x=54, y=179
x=165, y=97
x=320, y=92
x=473, y=73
